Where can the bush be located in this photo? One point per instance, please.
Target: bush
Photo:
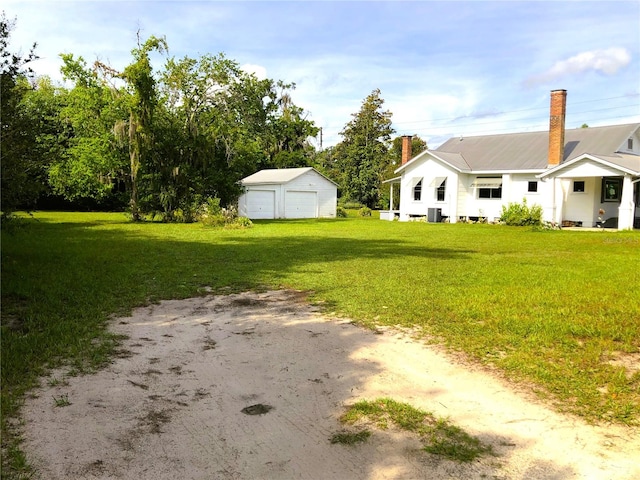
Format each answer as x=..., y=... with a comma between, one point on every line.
x=519, y=214
x=364, y=212
x=349, y=205
x=341, y=212
x=212, y=214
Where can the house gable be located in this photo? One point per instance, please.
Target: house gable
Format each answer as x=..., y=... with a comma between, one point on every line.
x=588, y=165
x=278, y=176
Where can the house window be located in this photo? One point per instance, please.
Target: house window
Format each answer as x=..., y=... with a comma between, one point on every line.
x=611, y=189
x=533, y=187
x=488, y=187
x=441, y=191
x=417, y=191
x=578, y=186
x=490, y=192
x=630, y=144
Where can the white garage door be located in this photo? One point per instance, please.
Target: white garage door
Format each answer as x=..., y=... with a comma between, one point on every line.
x=261, y=204
x=301, y=204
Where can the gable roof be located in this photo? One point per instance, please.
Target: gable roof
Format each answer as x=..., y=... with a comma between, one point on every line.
x=276, y=176
x=624, y=163
x=529, y=150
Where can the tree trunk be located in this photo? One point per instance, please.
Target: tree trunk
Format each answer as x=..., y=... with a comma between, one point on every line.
x=134, y=156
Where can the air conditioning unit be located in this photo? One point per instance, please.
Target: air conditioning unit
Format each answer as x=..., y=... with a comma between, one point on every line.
x=434, y=215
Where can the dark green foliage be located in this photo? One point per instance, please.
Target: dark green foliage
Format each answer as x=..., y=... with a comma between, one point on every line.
x=520, y=214
x=22, y=169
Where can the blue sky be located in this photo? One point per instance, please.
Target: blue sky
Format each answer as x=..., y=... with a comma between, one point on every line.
x=444, y=68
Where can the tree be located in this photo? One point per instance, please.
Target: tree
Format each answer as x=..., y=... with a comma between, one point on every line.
x=289, y=146
x=142, y=85
x=94, y=159
x=363, y=154
x=217, y=117
x=22, y=172
x=109, y=119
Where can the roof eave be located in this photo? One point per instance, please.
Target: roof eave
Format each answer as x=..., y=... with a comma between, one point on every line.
x=592, y=157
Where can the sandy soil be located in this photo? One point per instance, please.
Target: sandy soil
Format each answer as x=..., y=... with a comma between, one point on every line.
x=170, y=407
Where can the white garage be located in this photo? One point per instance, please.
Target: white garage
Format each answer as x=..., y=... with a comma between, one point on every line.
x=288, y=193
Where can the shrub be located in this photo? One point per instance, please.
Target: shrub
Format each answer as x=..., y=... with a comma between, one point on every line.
x=349, y=205
x=210, y=213
x=341, y=212
x=519, y=214
x=364, y=212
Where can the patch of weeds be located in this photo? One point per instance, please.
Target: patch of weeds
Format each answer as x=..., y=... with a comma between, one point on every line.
x=452, y=442
x=439, y=435
x=56, y=382
x=350, y=438
x=62, y=401
x=20, y=468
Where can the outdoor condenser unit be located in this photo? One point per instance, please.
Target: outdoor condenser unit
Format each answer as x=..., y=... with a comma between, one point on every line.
x=434, y=215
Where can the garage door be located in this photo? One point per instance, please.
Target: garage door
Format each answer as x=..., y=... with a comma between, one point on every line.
x=261, y=204
x=301, y=204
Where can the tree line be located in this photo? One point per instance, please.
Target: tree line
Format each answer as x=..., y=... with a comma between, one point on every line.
x=163, y=142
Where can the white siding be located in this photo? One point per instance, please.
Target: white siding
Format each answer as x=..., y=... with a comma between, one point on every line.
x=431, y=172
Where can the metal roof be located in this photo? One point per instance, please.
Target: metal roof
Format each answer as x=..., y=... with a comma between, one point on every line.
x=278, y=175
x=523, y=151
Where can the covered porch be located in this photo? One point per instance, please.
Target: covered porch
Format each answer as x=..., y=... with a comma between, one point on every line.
x=594, y=192
x=394, y=205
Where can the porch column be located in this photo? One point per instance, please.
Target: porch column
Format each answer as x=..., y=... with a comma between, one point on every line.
x=391, y=197
x=558, y=200
x=626, y=210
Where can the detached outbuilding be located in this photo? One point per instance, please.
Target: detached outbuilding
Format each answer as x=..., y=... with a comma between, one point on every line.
x=288, y=193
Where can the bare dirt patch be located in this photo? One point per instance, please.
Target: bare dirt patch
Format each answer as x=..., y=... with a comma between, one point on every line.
x=252, y=386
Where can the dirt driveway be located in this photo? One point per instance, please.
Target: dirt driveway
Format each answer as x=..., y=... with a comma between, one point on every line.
x=171, y=406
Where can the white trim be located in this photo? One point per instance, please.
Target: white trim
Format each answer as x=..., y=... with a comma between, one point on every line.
x=393, y=180
x=586, y=156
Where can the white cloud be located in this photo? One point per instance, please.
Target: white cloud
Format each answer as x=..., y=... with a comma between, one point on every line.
x=258, y=70
x=607, y=61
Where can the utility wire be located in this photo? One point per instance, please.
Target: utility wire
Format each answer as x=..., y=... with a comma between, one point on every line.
x=522, y=110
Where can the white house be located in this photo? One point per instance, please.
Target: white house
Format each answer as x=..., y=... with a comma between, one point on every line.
x=288, y=193
x=573, y=174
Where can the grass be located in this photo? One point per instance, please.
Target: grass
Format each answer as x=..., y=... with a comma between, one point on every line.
x=439, y=435
x=557, y=311
x=350, y=438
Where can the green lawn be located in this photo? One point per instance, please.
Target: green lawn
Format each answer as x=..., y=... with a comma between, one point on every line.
x=555, y=310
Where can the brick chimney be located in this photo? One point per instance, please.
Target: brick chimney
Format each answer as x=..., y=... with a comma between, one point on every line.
x=406, y=148
x=556, y=127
